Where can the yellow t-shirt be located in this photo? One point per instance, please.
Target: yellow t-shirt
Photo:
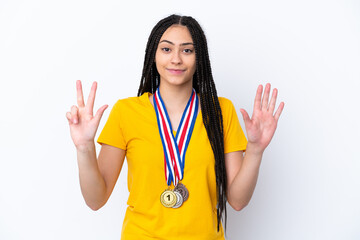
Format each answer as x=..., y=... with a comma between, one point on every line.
x=132, y=126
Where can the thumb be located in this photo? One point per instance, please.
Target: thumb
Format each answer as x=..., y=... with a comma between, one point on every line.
x=100, y=112
x=245, y=116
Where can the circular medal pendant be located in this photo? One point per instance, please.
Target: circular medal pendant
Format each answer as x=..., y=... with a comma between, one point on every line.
x=168, y=198
x=179, y=201
x=182, y=190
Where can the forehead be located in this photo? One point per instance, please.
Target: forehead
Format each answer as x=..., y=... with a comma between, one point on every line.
x=177, y=34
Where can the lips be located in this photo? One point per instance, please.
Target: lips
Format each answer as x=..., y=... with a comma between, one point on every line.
x=176, y=71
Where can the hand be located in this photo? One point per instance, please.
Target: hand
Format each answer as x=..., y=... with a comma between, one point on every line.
x=261, y=127
x=83, y=124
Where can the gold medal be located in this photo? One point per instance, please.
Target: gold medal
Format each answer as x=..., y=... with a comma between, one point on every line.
x=168, y=198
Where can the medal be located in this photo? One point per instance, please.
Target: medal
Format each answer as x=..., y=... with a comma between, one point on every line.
x=168, y=198
x=179, y=199
x=175, y=147
x=180, y=188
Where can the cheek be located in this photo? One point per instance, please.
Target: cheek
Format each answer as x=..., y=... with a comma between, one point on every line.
x=158, y=54
x=158, y=68
x=157, y=62
x=159, y=59
x=194, y=65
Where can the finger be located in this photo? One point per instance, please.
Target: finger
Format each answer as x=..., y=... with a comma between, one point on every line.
x=257, y=103
x=245, y=116
x=74, y=114
x=100, y=112
x=79, y=93
x=265, y=100
x=68, y=116
x=273, y=100
x=91, y=98
x=279, y=110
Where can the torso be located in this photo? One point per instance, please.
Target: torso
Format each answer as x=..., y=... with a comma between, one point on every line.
x=133, y=127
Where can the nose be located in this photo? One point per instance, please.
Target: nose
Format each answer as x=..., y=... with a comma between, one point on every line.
x=176, y=58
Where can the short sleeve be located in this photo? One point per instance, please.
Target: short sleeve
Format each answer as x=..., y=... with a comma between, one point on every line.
x=112, y=133
x=234, y=137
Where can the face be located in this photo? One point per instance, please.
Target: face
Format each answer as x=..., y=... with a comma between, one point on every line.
x=175, y=56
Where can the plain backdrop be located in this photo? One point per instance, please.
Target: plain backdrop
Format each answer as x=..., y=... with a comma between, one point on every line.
x=309, y=180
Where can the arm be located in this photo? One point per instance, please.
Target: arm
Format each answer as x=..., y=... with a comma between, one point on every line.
x=242, y=172
x=97, y=175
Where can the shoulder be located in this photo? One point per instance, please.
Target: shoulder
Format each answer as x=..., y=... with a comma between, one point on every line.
x=132, y=102
x=224, y=101
x=225, y=104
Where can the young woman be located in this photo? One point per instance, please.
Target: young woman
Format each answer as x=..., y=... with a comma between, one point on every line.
x=184, y=144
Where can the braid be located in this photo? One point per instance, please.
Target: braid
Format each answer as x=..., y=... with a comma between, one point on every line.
x=204, y=85
x=150, y=78
x=212, y=116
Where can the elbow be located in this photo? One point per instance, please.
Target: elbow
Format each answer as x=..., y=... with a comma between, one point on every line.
x=94, y=207
x=95, y=203
x=238, y=206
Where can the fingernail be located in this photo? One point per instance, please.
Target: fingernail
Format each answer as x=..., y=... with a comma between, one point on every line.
x=75, y=121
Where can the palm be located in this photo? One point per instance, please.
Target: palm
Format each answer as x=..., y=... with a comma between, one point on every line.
x=260, y=128
x=85, y=130
x=83, y=124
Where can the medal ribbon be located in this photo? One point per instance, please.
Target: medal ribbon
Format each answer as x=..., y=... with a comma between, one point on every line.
x=175, y=147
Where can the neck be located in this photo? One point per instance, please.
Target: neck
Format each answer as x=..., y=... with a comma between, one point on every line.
x=175, y=97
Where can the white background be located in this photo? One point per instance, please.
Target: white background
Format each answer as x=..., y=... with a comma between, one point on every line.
x=309, y=181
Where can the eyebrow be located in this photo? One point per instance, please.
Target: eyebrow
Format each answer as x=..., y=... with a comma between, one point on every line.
x=182, y=44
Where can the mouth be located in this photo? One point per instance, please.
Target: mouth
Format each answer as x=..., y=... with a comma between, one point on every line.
x=175, y=71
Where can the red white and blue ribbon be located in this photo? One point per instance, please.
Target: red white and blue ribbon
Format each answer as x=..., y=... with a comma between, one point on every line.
x=175, y=147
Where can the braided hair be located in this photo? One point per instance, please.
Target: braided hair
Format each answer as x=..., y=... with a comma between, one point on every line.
x=204, y=85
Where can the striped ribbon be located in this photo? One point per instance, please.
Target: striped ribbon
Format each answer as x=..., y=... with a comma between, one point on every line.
x=175, y=147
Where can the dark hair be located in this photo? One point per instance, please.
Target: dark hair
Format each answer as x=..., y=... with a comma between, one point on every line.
x=204, y=85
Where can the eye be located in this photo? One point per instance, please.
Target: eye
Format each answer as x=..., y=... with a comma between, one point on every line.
x=187, y=50
x=165, y=49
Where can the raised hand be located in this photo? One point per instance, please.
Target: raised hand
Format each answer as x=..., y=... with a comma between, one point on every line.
x=83, y=125
x=260, y=128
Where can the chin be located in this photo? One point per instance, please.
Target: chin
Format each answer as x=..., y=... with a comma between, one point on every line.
x=179, y=83
x=176, y=81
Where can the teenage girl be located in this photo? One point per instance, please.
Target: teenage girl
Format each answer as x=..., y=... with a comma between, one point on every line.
x=184, y=145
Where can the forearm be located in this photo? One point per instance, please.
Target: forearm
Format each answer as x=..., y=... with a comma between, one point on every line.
x=92, y=183
x=242, y=187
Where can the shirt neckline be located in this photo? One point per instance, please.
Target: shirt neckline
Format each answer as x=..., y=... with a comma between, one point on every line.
x=145, y=98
